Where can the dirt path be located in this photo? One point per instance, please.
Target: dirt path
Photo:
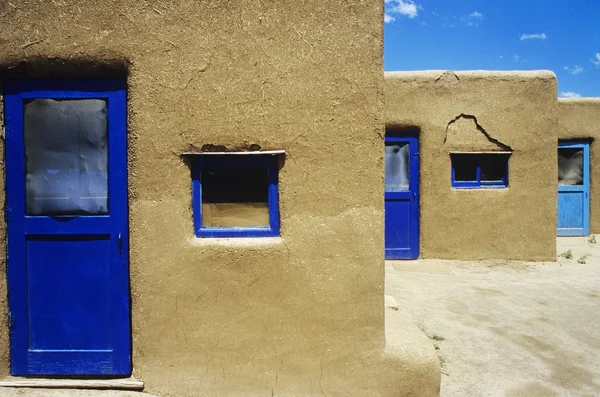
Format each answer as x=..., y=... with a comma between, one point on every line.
x=515, y=329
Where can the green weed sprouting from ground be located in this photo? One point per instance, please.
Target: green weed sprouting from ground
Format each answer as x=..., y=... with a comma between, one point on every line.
x=567, y=254
x=583, y=259
x=442, y=363
x=592, y=239
x=436, y=346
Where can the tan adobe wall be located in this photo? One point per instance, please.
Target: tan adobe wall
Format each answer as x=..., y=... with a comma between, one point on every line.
x=579, y=118
x=298, y=315
x=514, y=109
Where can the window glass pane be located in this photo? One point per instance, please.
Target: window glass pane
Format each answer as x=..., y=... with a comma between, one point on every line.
x=66, y=156
x=570, y=166
x=397, y=166
x=235, y=196
x=493, y=167
x=465, y=168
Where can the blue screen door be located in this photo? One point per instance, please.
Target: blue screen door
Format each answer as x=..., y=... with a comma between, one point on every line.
x=68, y=278
x=573, y=189
x=401, y=197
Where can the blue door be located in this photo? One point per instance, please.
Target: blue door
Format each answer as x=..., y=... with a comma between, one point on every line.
x=401, y=197
x=68, y=278
x=573, y=189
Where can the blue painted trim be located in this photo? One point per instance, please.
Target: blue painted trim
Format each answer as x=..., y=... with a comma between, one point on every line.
x=15, y=212
x=585, y=188
x=20, y=226
x=266, y=160
x=67, y=225
x=478, y=183
x=412, y=196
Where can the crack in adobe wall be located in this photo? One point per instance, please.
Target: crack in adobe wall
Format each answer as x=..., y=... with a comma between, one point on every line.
x=479, y=128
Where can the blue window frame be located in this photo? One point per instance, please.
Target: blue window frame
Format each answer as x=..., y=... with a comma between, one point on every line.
x=235, y=195
x=479, y=170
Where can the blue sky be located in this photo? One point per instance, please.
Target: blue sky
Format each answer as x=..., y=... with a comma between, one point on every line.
x=559, y=35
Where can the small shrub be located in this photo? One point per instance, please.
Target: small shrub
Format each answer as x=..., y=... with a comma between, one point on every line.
x=567, y=254
x=592, y=239
x=437, y=337
x=583, y=259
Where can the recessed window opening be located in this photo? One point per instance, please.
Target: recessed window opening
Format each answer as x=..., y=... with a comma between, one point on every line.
x=479, y=170
x=235, y=194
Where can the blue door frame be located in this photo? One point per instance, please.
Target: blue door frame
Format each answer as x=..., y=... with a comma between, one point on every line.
x=402, y=206
x=574, y=200
x=68, y=275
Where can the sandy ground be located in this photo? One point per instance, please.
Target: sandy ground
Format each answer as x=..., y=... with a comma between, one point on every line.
x=515, y=329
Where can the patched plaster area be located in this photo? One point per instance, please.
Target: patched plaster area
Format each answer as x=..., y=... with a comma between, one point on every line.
x=464, y=133
x=447, y=78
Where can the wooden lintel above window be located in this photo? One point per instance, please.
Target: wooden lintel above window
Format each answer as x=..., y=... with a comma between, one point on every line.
x=273, y=152
x=482, y=152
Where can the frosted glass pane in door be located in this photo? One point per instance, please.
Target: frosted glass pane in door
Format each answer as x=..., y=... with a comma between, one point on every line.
x=66, y=156
x=570, y=166
x=397, y=170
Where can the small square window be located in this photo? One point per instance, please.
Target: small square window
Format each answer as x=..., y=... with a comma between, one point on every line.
x=235, y=195
x=482, y=170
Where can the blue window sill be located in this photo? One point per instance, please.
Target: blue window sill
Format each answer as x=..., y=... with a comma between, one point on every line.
x=241, y=242
x=236, y=232
x=458, y=187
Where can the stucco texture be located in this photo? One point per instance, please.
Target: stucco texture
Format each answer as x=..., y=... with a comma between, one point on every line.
x=298, y=315
x=480, y=111
x=579, y=118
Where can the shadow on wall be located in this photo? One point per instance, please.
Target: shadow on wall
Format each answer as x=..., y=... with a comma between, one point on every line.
x=58, y=68
x=402, y=130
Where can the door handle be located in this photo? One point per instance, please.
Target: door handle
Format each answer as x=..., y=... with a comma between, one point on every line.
x=120, y=244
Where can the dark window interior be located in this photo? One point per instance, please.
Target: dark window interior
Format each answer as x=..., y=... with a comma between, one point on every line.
x=235, y=184
x=465, y=167
x=493, y=167
x=481, y=169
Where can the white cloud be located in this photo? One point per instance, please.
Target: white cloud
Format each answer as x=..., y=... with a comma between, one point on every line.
x=400, y=7
x=500, y=57
x=515, y=58
x=569, y=94
x=596, y=61
x=535, y=36
x=575, y=70
x=387, y=18
x=473, y=19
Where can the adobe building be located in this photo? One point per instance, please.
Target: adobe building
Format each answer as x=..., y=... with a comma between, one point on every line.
x=579, y=121
x=194, y=200
x=483, y=149
x=487, y=165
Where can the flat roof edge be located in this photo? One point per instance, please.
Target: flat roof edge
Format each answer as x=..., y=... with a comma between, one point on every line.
x=504, y=74
x=591, y=99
